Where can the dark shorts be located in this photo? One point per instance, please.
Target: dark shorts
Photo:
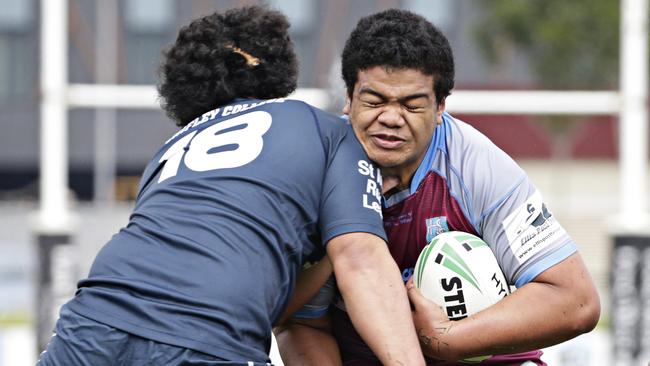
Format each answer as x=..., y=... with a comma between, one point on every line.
x=80, y=341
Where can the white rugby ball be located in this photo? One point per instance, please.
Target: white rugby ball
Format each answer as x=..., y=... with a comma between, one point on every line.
x=459, y=272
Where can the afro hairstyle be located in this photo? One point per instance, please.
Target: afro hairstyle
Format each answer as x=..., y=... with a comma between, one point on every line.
x=209, y=64
x=399, y=39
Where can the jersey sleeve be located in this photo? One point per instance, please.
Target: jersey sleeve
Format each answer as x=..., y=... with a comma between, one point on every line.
x=351, y=196
x=319, y=304
x=510, y=213
x=527, y=236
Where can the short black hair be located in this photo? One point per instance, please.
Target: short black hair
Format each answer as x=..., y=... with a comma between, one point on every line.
x=207, y=65
x=399, y=39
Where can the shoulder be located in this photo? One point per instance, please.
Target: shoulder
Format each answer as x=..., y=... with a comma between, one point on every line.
x=469, y=150
x=301, y=108
x=460, y=136
x=478, y=168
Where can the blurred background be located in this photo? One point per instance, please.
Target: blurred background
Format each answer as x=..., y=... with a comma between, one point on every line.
x=499, y=45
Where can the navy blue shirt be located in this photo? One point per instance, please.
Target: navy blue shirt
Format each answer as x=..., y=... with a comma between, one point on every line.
x=228, y=211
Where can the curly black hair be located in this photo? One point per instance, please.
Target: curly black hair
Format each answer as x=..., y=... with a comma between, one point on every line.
x=399, y=39
x=210, y=64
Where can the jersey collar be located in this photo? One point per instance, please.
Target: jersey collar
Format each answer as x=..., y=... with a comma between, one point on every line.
x=437, y=141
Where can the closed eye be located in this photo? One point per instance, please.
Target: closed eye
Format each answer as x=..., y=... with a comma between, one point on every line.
x=373, y=104
x=413, y=108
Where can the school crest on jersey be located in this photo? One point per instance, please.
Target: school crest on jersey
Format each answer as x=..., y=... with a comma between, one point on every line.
x=435, y=226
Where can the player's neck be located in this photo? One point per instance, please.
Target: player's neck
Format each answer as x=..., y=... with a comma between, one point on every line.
x=393, y=183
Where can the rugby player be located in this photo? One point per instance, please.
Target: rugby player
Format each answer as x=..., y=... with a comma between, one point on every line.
x=441, y=174
x=229, y=209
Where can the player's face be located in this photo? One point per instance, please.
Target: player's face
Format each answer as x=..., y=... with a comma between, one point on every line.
x=394, y=113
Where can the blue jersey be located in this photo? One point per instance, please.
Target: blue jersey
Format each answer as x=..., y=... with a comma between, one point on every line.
x=228, y=210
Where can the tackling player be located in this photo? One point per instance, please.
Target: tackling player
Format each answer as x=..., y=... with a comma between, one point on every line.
x=228, y=210
x=440, y=174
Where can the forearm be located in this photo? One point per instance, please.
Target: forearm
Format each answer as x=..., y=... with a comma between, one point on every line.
x=540, y=314
x=376, y=301
x=309, y=282
x=305, y=344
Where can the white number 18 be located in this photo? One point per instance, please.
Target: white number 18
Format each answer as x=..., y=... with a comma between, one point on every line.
x=246, y=133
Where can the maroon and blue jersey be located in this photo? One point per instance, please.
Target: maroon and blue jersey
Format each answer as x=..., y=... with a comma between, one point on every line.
x=464, y=183
x=228, y=211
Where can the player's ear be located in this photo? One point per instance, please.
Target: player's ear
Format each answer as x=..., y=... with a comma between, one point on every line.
x=346, y=107
x=440, y=110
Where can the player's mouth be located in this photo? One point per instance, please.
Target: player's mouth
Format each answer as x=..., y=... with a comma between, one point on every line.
x=387, y=141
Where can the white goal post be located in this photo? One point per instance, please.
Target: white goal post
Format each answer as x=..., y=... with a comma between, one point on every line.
x=629, y=103
x=461, y=101
x=55, y=220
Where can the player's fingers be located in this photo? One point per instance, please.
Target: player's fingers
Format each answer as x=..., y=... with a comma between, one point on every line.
x=414, y=294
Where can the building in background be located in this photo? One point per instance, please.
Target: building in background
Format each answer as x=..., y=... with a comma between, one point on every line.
x=319, y=29
x=497, y=44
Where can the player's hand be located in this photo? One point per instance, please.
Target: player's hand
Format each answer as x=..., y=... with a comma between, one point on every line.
x=431, y=324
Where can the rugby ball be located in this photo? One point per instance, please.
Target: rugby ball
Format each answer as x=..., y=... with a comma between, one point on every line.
x=459, y=272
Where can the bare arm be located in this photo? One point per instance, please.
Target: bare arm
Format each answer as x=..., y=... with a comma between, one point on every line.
x=375, y=297
x=561, y=303
x=308, y=283
x=303, y=341
x=306, y=342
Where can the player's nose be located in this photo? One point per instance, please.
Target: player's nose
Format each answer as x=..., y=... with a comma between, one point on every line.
x=390, y=116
